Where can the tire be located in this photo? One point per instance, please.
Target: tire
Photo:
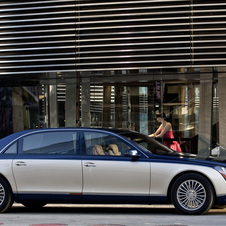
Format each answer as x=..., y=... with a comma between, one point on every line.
x=6, y=196
x=34, y=205
x=192, y=194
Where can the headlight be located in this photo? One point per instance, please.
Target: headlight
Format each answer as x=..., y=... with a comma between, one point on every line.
x=221, y=170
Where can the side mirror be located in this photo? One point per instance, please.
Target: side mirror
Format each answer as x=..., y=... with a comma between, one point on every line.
x=134, y=154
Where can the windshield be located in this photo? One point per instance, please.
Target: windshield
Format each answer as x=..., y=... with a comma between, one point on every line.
x=146, y=142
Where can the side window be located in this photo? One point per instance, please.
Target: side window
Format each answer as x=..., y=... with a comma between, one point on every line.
x=12, y=149
x=104, y=144
x=63, y=143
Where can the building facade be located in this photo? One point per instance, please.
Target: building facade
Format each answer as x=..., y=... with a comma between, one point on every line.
x=115, y=64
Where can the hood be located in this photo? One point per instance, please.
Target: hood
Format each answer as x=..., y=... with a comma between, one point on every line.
x=192, y=158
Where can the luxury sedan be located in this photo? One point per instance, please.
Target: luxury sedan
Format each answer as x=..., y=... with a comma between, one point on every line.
x=87, y=165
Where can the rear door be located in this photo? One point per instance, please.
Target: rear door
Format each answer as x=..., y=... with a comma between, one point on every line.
x=49, y=163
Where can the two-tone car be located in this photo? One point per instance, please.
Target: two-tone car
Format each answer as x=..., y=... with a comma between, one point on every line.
x=112, y=166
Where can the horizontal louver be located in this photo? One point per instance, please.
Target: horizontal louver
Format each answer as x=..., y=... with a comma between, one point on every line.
x=209, y=33
x=92, y=35
x=142, y=34
x=37, y=36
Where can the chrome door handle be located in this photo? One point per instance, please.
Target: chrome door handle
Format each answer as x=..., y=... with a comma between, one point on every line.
x=20, y=163
x=90, y=164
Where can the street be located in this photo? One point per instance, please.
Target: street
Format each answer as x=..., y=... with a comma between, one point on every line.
x=107, y=215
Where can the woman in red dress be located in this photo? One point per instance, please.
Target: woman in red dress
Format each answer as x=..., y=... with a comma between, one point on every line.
x=165, y=131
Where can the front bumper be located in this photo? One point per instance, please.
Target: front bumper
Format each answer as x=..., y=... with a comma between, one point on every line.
x=221, y=200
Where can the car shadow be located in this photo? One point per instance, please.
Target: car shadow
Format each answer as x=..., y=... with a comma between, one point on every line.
x=106, y=209
x=95, y=209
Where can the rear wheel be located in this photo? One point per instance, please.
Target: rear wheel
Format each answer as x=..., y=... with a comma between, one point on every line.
x=192, y=194
x=6, y=196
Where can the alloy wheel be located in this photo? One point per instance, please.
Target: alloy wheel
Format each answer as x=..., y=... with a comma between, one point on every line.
x=2, y=194
x=191, y=195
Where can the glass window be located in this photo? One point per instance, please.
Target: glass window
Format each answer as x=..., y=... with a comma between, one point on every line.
x=12, y=149
x=104, y=144
x=63, y=143
x=146, y=142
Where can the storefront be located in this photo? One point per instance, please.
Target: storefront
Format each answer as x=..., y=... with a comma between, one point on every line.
x=193, y=102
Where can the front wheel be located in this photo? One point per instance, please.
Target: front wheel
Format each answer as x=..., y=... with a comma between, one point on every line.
x=6, y=196
x=192, y=194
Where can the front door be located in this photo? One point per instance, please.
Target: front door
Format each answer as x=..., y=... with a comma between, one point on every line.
x=109, y=173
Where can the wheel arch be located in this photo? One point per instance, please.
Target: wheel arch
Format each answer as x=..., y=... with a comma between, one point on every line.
x=183, y=173
x=6, y=180
x=7, y=196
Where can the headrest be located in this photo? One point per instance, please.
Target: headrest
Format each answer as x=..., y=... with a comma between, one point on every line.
x=98, y=150
x=113, y=149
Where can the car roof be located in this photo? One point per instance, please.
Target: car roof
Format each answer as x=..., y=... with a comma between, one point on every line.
x=8, y=139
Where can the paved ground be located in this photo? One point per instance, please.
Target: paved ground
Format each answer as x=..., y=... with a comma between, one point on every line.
x=108, y=215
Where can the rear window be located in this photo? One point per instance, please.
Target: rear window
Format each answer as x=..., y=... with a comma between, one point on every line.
x=51, y=143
